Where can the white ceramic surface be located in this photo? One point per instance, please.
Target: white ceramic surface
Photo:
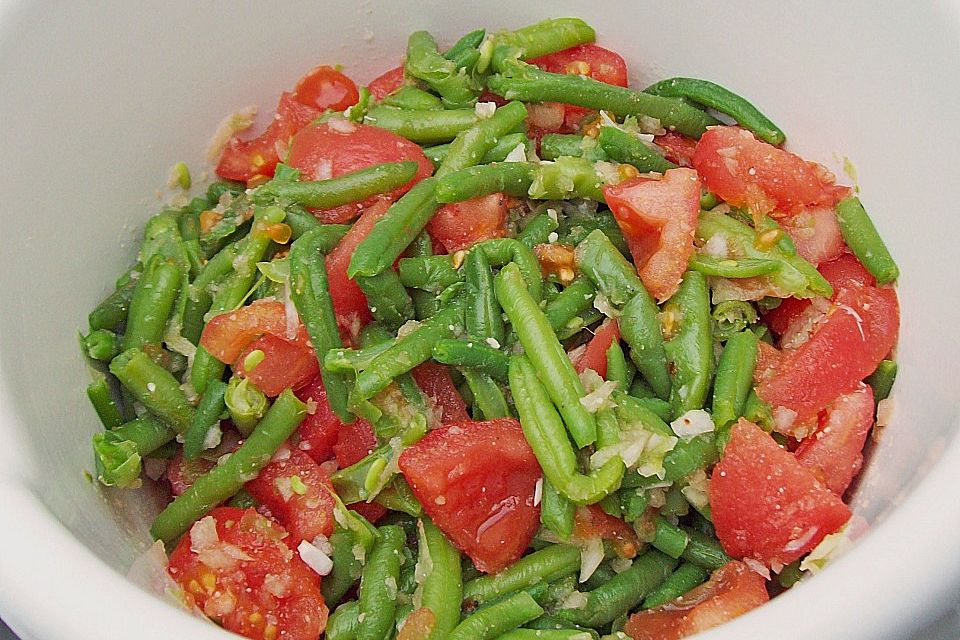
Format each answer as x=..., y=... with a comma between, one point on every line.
x=99, y=100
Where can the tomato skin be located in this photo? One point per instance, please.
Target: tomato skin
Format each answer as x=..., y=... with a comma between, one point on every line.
x=435, y=382
x=355, y=441
x=677, y=149
x=326, y=88
x=304, y=515
x=659, y=220
x=858, y=332
x=595, y=355
x=476, y=481
x=386, y=83
x=460, y=225
x=235, y=578
x=816, y=234
x=834, y=452
x=246, y=159
x=285, y=364
x=731, y=591
x=318, y=431
x=593, y=522
x=228, y=334
x=765, y=504
x=746, y=172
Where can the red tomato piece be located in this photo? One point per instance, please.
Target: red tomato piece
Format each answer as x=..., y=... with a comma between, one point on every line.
x=234, y=566
x=595, y=355
x=545, y=117
x=182, y=473
x=746, y=172
x=460, y=225
x=435, y=382
x=349, y=303
x=765, y=504
x=731, y=591
x=228, y=334
x=355, y=441
x=326, y=88
x=816, y=234
x=319, y=430
x=677, y=149
x=769, y=359
x=858, y=331
x=594, y=522
x=296, y=491
x=834, y=452
x=658, y=219
x=476, y=480
x=385, y=84
x=246, y=159
x=285, y=364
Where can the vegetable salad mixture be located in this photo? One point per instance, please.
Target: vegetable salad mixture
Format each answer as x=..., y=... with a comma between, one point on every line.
x=498, y=347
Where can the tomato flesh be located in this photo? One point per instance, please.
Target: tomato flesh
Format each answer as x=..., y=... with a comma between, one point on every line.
x=234, y=565
x=816, y=234
x=228, y=334
x=355, y=441
x=677, y=149
x=476, y=481
x=285, y=363
x=593, y=522
x=326, y=88
x=435, y=382
x=386, y=83
x=658, y=219
x=731, y=591
x=749, y=173
x=460, y=225
x=595, y=355
x=319, y=429
x=765, y=504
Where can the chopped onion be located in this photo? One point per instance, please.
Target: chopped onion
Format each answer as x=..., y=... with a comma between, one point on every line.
x=315, y=558
x=692, y=423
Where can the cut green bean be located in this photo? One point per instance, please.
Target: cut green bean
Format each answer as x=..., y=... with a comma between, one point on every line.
x=576, y=298
x=620, y=146
x=538, y=230
x=882, y=379
x=474, y=355
x=101, y=344
x=228, y=477
x=555, y=145
x=734, y=377
x=483, y=316
x=496, y=619
x=487, y=396
x=389, y=302
x=732, y=316
x=556, y=511
x=245, y=403
x=565, y=178
x=206, y=417
x=424, y=62
x=499, y=152
x=343, y=622
x=686, y=577
x=511, y=178
x=442, y=587
x=152, y=302
x=424, y=126
x=101, y=397
x=723, y=100
x=861, y=236
x=669, y=538
x=548, y=36
x=546, y=634
x=344, y=189
x=731, y=268
x=430, y=273
x=704, y=551
x=378, y=585
x=618, y=369
x=690, y=350
x=154, y=387
x=545, y=565
x=470, y=146
x=501, y=251
x=111, y=313
x=689, y=455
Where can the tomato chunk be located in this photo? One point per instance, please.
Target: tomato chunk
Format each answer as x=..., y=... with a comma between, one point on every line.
x=234, y=565
x=593, y=522
x=476, y=480
x=816, y=234
x=386, y=83
x=318, y=431
x=285, y=363
x=765, y=504
x=246, y=159
x=750, y=173
x=658, y=219
x=326, y=88
x=834, y=452
x=228, y=334
x=677, y=149
x=460, y=225
x=355, y=441
x=731, y=591
x=435, y=382
x=296, y=491
x=595, y=355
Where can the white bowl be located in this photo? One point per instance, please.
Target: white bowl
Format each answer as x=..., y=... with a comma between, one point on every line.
x=98, y=101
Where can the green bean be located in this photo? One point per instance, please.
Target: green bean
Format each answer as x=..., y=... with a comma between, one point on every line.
x=146, y=433
x=392, y=233
x=512, y=178
x=410, y=97
x=689, y=455
x=861, y=236
x=474, y=355
x=669, y=538
x=633, y=502
x=442, y=587
x=640, y=389
x=538, y=230
x=576, y=298
x=229, y=476
x=356, y=111
x=117, y=461
x=546, y=634
x=708, y=200
x=565, y=178
x=496, y=619
x=690, y=350
x=722, y=100
x=483, y=317
x=220, y=187
x=421, y=247
x=575, y=228
x=424, y=62
x=152, y=302
x=245, y=403
x=101, y=397
x=343, y=623
x=519, y=81
x=732, y=316
x=555, y=145
x=398, y=496
x=732, y=268
x=660, y=408
x=189, y=225
x=550, y=623
x=704, y=551
x=618, y=369
x=389, y=302
x=153, y=386
x=556, y=511
x=378, y=601
x=346, y=568
x=790, y=575
x=468, y=42
x=487, y=395
x=598, y=259
x=686, y=577
x=620, y=146
x=112, y=311
x=545, y=565
x=423, y=126
x=499, y=152
x=206, y=417
x=430, y=273
x=623, y=592
x=101, y=344
x=501, y=251
x=552, y=365
x=544, y=430
x=758, y=412
x=589, y=317
x=882, y=379
x=734, y=378
x=344, y=189
x=548, y=36
x=409, y=351
x=470, y=146
x=161, y=237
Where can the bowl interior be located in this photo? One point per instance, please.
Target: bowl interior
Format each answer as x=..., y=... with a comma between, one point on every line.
x=97, y=103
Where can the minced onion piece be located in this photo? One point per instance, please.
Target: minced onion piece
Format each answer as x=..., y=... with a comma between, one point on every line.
x=315, y=558
x=692, y=423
